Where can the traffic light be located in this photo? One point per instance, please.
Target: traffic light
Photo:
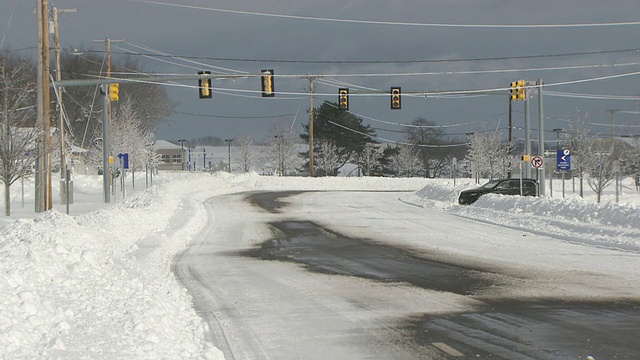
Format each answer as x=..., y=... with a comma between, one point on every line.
x=204, y=86
x=267, y=83
x=114, y=92
x=522, y=90
x=513, y=91
x=343, y=99
x=518, y=90
x=395, y=98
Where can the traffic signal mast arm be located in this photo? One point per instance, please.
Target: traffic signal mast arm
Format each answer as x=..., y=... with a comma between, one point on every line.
x=145, y=79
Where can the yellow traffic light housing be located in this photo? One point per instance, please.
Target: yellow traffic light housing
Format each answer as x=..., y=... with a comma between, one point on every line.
x=522, y=90
x=518, y=90
x=267, y=83
x=343, y=99
x=395, y=98
x=204, y=86
x=114, y=92
x=513, y=91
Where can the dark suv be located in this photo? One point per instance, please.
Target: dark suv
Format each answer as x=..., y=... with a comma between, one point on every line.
x=500, y=186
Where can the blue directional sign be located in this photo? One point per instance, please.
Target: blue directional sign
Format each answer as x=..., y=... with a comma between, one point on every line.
x=124, y=160
x=564, y=160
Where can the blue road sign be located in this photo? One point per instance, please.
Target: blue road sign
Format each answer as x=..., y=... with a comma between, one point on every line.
x=124, y=160
x=564, y=160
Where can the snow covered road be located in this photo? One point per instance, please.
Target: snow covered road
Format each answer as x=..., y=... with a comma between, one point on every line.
x=350, y=305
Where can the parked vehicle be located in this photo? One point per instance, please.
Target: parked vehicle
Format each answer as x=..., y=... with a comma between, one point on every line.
x=500, y=186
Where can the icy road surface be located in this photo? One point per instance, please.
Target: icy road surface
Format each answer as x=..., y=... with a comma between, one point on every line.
x=317, y=275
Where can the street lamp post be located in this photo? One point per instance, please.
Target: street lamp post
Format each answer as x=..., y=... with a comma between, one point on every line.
x=228, y=141
x=181, y=141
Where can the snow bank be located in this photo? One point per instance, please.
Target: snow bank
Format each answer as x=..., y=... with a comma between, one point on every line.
x=81, y=287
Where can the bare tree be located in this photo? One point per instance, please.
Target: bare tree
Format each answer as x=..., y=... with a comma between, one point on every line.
x=582, y=145
x=285, y=150
x=599, y=167
x=423, y=134
x=17, y=141
x=246, y=153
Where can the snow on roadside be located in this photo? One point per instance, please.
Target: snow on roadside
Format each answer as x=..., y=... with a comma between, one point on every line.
x=71, y=287
x=575, y=219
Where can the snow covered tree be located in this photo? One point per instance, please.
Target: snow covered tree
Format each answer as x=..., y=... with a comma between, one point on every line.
x=130, y=135
x=126, y=135
x=404, y=161
x=327, y=158
x=630, y=161
x=488, y=154
x=367, y=159
x=373, y=160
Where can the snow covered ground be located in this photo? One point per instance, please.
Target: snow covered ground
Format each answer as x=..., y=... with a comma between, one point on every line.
x=98, y=283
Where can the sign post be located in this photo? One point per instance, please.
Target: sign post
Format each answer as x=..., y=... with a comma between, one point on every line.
x=563, y=164
x=124, y=165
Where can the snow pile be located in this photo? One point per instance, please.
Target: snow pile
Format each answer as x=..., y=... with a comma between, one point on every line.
x=81, y=287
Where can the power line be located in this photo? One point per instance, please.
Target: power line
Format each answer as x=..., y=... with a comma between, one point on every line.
x=394, y=23
x=6, y=30
x=593, y=96
x=359, y=62
x=235, y=117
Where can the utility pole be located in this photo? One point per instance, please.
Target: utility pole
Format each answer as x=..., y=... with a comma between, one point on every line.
x=311, y=78
x=229, y=144
x=181, y=141
x=541, y=136
x=509, y=143
x=527, y=134
x=612, y=127
x=56, y=41
x=106, y=118
x=43, y=179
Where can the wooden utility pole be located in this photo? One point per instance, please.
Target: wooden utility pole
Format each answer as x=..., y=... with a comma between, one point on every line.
x=107, y=42
x=43, y=180
x=106, y=119
x=311, y=118
x=510, y=136
x=56, y=41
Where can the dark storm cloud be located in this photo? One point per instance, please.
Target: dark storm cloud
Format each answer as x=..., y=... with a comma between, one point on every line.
x=211, y=34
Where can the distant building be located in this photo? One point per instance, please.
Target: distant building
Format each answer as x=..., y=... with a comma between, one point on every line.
x=171, y=155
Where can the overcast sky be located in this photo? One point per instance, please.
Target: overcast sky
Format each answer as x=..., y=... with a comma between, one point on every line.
x=384, y=44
